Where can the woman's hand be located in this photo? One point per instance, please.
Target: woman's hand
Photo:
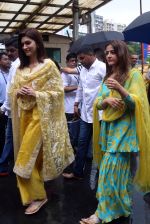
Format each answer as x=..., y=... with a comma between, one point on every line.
x=25, y=90
x=21, y=92
x=113, y=84
x=29, y=91
x=114, y=103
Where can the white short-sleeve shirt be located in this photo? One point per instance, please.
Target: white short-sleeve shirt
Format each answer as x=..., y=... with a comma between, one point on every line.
x=70, y=80
x=90, y=81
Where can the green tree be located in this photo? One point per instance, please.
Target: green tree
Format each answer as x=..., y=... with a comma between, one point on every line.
x=134, y=48
x=148, y=62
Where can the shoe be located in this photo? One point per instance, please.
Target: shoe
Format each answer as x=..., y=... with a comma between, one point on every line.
x=4, y=174
x=146, y=198
x=35, y=206
x=71, y=176
x=93, y=219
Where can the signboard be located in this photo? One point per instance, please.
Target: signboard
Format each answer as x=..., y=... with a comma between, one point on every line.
x=146, y=51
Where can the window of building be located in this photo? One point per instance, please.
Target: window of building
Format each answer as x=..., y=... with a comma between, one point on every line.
x=54, y=53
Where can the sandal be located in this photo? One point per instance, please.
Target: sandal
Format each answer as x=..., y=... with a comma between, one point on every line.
x=27, y=204
x=93, y=219
x=35, y=206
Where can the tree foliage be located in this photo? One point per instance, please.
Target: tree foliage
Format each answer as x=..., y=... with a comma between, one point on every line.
x=134, y=48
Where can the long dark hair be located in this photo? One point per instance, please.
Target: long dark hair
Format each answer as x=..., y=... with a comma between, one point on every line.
x=36, y=36
x=123, y=64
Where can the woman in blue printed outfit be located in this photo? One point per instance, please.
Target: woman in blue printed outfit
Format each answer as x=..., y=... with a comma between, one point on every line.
x=124, y=131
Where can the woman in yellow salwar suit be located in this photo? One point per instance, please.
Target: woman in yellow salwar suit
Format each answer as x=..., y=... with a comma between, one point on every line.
x=124, y=131
x=41, y=141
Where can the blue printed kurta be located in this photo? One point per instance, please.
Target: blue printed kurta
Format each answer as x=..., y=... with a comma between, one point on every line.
x=117, y=139
x=119, y=135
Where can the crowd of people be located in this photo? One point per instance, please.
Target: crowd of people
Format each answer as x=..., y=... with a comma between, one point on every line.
x=96, y=107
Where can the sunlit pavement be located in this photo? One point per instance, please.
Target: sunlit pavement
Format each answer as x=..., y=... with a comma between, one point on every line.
x=69, y=201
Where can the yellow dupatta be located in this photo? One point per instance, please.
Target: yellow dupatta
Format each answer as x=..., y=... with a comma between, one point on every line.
x=136, y=88
x=48, y=86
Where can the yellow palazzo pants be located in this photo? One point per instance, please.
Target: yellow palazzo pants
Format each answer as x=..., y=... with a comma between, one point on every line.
x=30, y=134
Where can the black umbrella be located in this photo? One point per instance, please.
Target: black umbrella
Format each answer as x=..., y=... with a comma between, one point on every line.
x=99, y=39
x=139, y=29
x=76, y=45
x=96, y=40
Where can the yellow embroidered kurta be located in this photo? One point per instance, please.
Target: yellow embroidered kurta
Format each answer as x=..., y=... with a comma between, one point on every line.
x=49, y=129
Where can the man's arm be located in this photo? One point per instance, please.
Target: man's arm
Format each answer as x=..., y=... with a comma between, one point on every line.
x=78, y=99
x=79, y=94
x=69, y=70
x=70, y=88
x=103, y=70
x=6, y=105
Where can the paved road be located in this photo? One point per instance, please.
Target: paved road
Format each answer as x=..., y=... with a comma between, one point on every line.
x=68, y=202
x=141, y=210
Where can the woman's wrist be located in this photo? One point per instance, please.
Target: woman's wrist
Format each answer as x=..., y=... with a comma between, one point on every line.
x=104, y=104
x=119, y=89
x=122, y=91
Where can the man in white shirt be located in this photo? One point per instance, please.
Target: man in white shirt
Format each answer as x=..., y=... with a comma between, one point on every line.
x=7, y=154
x=91, y=76
x=4, y=71
x=71, y=82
